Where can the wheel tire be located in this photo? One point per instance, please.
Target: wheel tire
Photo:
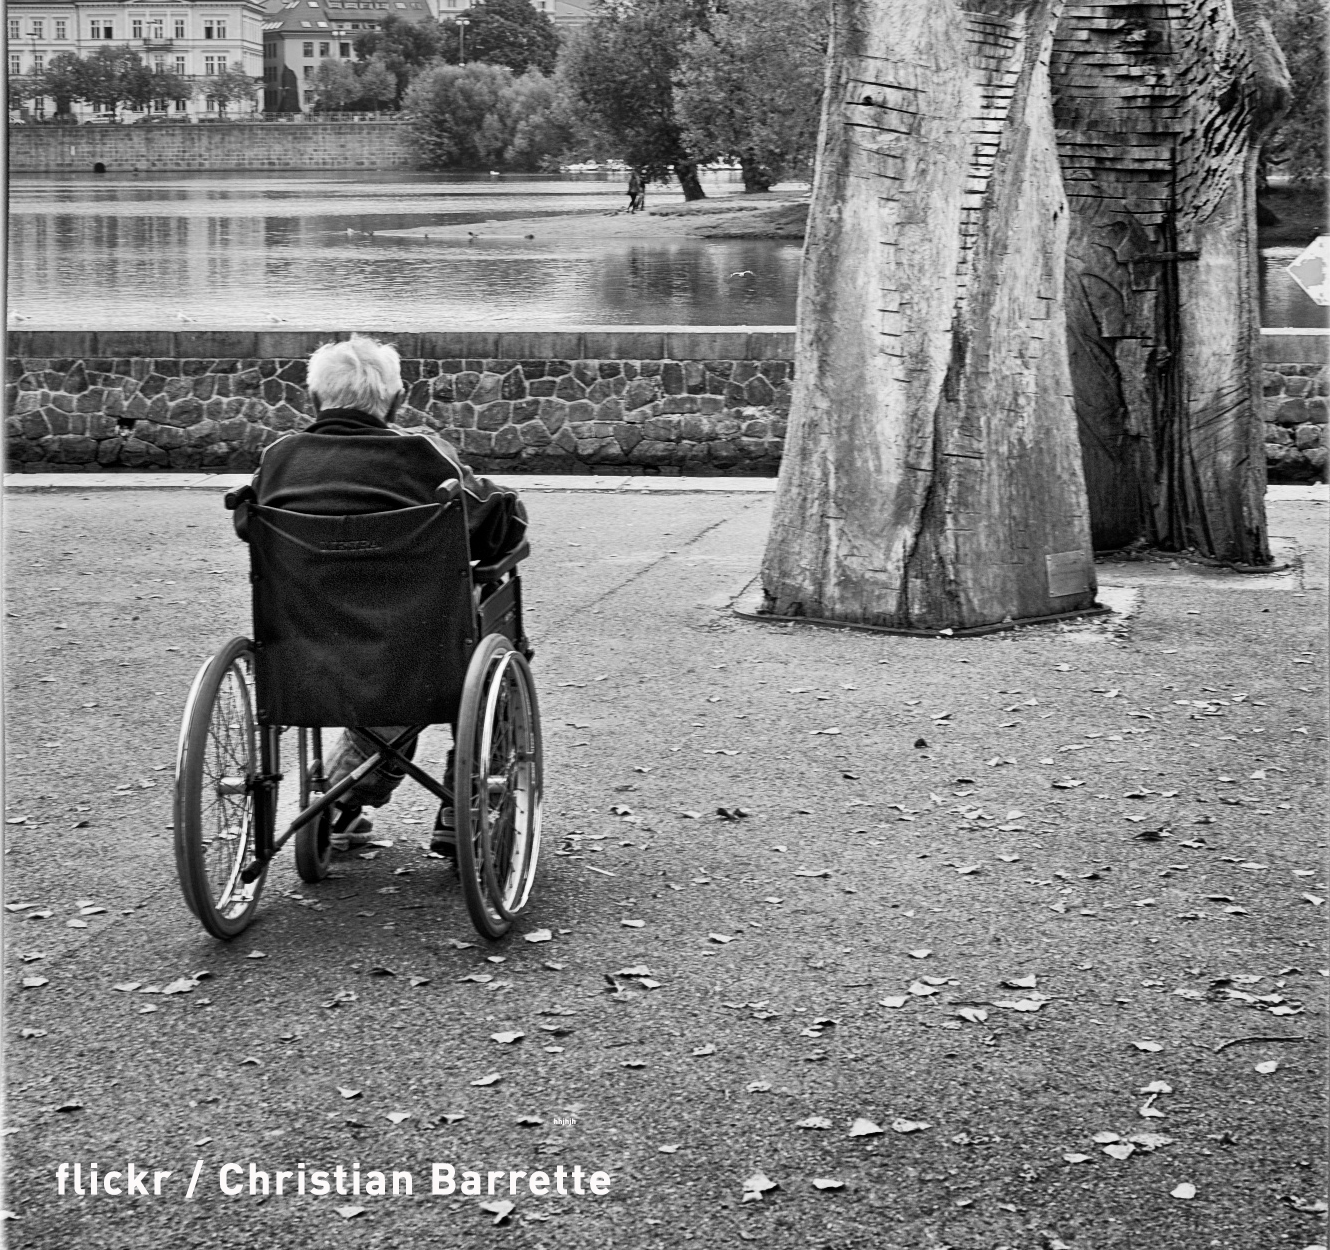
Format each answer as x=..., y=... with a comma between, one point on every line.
x=497, y=786
x=217, y=766
x=314, y=852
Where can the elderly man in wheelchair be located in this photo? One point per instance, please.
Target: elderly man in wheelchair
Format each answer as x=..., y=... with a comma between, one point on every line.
x=385, y=599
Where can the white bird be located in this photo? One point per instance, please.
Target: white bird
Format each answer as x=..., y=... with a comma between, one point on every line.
x=15, y=315
x=494, y=173
x=183, y=316
x=743, y=273
x=275, y=319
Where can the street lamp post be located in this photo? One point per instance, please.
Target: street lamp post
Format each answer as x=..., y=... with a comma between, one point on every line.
x=462, y=24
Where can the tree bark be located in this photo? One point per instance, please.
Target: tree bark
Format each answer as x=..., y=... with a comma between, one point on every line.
x=757, y=177
x=932, y=475
x=686, y=173
x=1159, y=115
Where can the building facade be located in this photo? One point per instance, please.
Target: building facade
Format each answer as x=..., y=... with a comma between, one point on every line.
x=193, y=38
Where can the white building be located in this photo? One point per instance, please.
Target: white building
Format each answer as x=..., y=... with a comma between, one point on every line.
x=189, y=37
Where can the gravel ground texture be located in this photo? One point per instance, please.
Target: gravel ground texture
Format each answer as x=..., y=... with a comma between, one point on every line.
x=856, y=940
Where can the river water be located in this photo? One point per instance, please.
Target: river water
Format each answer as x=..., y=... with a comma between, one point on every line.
x=241, y=250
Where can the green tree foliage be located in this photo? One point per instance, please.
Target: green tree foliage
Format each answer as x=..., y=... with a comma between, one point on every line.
x=378, y=84
x=61, y=81
x=334, y=85
x=1297, y=144
x=19, y=91
x=109, y=77
x=480, y=116
x=505, y=32
x=231, y=86
x=620, y=70
x=405, y=49
x=750, y=88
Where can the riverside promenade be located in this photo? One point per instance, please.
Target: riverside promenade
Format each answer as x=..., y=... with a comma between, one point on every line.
x=854, y=940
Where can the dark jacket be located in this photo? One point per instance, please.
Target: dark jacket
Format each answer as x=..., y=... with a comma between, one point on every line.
x=351, y=462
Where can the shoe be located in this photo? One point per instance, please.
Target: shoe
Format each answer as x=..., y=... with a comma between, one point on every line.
x=350, y=829
x=444, y=841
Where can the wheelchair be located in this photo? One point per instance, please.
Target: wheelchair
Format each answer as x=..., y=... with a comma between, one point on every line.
x=361, y=620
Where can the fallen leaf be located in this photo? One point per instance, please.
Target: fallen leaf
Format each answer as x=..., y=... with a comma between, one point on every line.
x=500, y=1208
x=33, y=983
x=1150, y=1046
x=538, y=935
x=398, y=1116
x=1120, y=1150
x=825, y=1182
x=1270, y=1065
x=896, y=1000
x=348, y=1093
x=719, y=938
x=670, y=1149
x=529, y=1121
x=633, y=924
x=760, y=1183
x=820, y=1122
x=1027, y=982
x=492, y=1079
x=507, y=1039
x=1185, y=1190
x=1076, y=1158
x=708, y=1049
x=863, y=1128
x=909, y=1126
x=919, y=954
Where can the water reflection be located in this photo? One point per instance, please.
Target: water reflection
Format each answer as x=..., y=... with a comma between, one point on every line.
x=244, y=250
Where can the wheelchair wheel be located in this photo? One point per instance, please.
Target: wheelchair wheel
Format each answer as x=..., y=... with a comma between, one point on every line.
x=497, y=786
x=217, y=769
x=314, y=850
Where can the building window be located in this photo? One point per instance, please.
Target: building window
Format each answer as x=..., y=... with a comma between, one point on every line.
x=156, y=30
x=181, y=106
x=38, y=28
x=214, y=28
x=61, y=28
x=159, y=106
x=136, y=29
x=38, y=63
x=15, y=65
x=307, y=71
x=323, y=49
x=180, y=65
x=344, y=49
x=180, y=28
x=214, y=64
x=101, y=30
x=13, y=28
x=159, y=65
x=309, y=50
x=210, y=104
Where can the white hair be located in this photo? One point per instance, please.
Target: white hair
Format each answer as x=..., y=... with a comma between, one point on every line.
x=358, y=373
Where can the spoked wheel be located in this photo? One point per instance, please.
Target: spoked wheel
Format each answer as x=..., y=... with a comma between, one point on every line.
x=497, y=786
x=217, y=771
x=314, y=850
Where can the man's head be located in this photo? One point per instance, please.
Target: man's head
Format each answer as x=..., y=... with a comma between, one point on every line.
x=358, y=373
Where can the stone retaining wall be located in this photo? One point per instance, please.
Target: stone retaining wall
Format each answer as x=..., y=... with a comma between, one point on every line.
x=707, y=402
x=210, y=146
x=701, y=402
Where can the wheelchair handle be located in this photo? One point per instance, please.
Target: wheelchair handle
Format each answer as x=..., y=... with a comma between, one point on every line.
x=234, y=498
x=448, y=492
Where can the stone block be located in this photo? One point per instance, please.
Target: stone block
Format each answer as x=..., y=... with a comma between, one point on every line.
x=569, y=388
x=581, y=410
x=1316, y=458
x=695, y=428
x=420, y=393
x=480, y=442
x=108, y=450
x=193, y=368
x=542, y=387
x=759, y=391
x=710, y=404
x=513, y=385
x=1290, y=411
x=534, y=434
x=202, y=433
x=215, y=456
x=152, y=385
x=465, y=383
x=61, y=402
x=1308, y=435
x=493, y=416
x=444, y=390
x=1297, y=387
x=639, y=392
x=681, y=403
x=464, y=416
x=488, y=388
x=78, y=423
x=754, y=429
x=722, y=453
x=185, y=458
x=34, y=426
x=184, y=412
x=232, y=429
x=660, y=429
x=600, y=389
x=628, y=437
x=248, y=382
x=525, y=410
x=136, y=454
x=102, y=425
x=221, y=384
x=563, y=438
x=1315, y=409
x=600, y=451
x=284, y=417
x=57, y=420
x=272, y=391
x=694, y=377
x=553, y=414
x=585, y=371
x=507, y=441
x=653, y=452
x=610, y=410
x=76, y=379
x=728, y=426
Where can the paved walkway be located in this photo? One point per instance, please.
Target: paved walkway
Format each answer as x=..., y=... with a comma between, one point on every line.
x=970, y=907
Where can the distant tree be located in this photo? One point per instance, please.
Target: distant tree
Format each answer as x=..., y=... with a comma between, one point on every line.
x=750, y=88
x=620, y=69
x=457, y=116
x=167, y=85
x=378, y=84
x=109, y=77
x=334, y=85
x=231, y=86
x=62, y=80
x=405, y=48
x=505, y=32
x=20, y=91
x=543, y=128
x=1298, y=144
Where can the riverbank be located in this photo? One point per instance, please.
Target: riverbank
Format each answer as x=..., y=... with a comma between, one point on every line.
x=775, y=215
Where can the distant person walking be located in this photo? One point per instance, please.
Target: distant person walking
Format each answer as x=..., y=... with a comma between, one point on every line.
x=637, y=192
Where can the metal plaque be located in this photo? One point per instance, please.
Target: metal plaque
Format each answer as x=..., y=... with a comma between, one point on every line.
x=1068, y=573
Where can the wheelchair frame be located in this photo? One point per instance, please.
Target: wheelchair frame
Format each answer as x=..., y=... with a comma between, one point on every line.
x=497, y=782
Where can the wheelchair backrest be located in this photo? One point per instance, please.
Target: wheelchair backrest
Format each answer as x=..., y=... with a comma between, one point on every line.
x=365, y=619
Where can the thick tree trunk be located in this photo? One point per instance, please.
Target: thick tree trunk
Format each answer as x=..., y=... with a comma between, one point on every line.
x=686, y=173
x=1159, y=113
x=932, y=475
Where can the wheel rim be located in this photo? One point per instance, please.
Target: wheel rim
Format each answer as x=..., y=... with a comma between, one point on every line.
x=226, y=793
x=506, y=790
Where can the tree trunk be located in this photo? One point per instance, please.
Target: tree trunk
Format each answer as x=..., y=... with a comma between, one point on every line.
x=932, y=477
x=757, y=177
x=686, y=173
x=1159, y=114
